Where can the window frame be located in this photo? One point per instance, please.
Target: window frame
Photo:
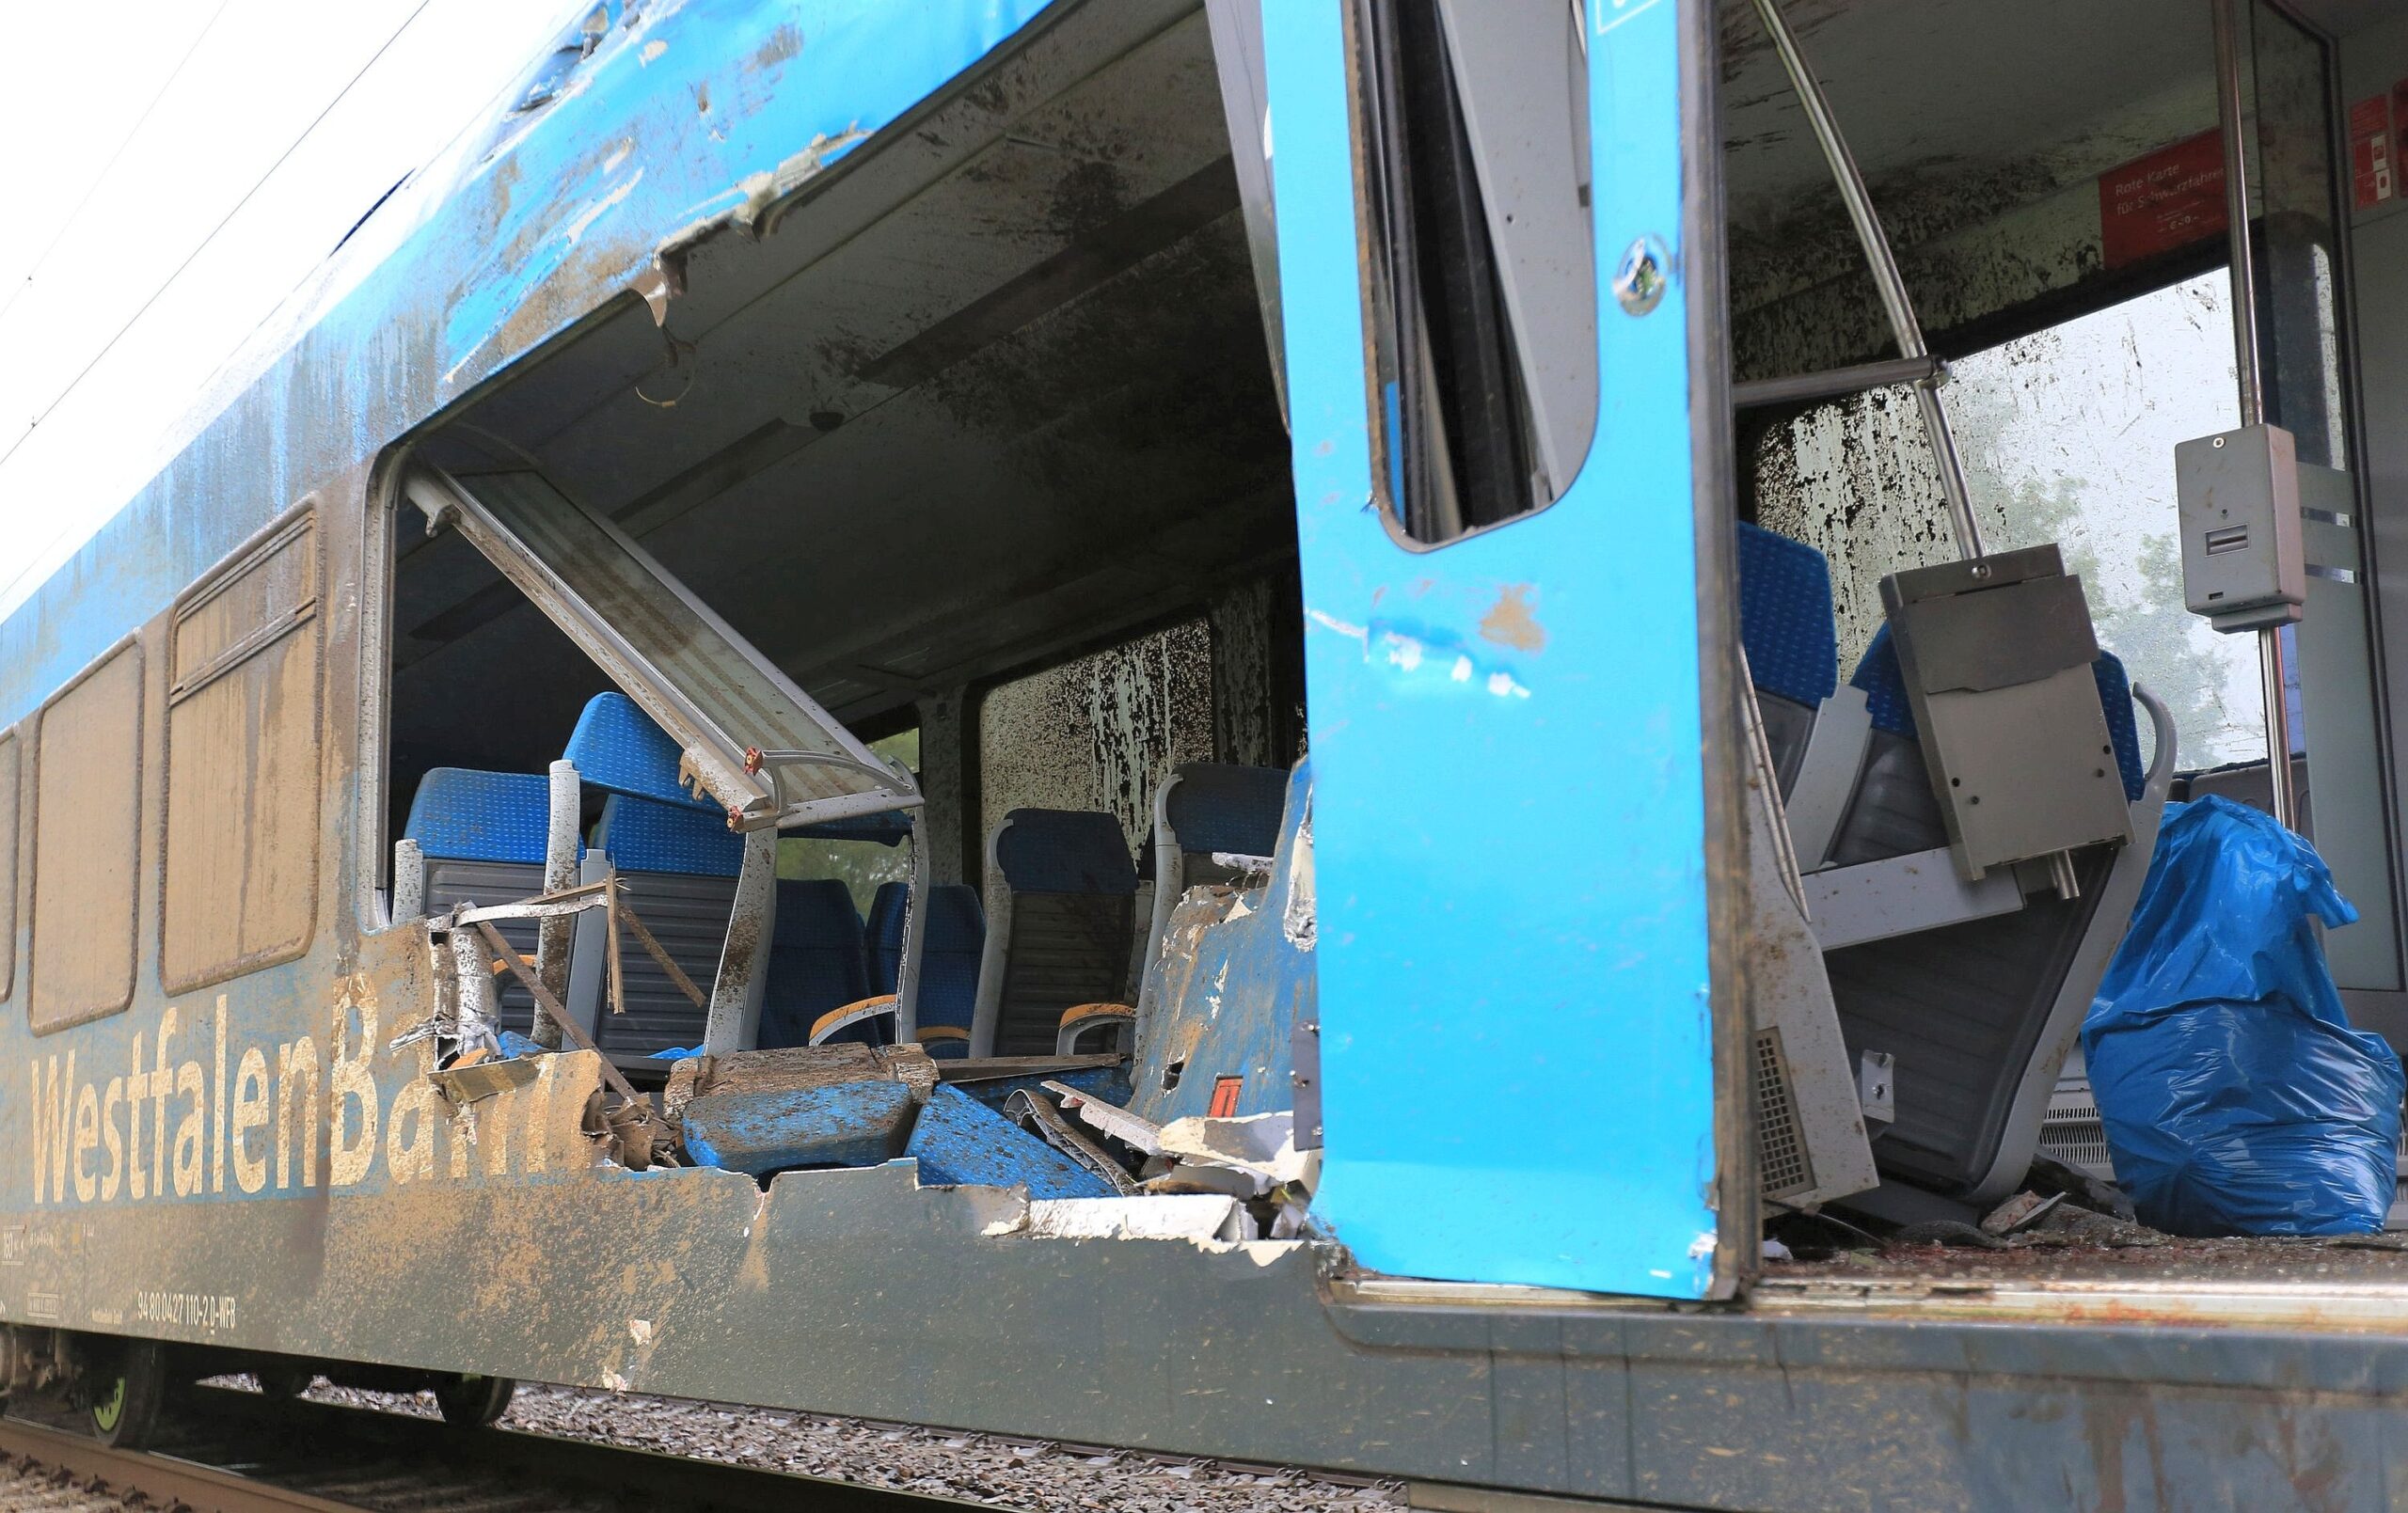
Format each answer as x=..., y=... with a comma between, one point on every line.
x=129, y=644
x=303, y=517
x=12, y=837
x=1386, y=328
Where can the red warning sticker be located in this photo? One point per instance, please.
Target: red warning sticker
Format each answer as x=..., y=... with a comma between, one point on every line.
x=2168, y=199
x=2374, y=152
x=1225, y=1096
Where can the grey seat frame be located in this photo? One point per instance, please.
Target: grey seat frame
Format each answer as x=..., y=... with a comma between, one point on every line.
x=1924, y=892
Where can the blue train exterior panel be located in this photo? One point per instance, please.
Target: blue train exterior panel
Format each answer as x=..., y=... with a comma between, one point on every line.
x=1510, y=813
x=1523, y=1090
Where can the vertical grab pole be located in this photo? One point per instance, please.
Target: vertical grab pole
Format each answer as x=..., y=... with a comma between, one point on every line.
x=552, y=935
x=2246, y=366
x=733, y=1020
x=915, y=936
x=409, y=882
x=1883, y=264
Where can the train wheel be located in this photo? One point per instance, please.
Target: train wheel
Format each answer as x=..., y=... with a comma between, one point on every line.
x=128, y=1391
x=473, y=1402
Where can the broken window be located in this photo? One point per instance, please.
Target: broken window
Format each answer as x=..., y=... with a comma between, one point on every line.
x=751, y=738
x=2065, y=435
x=864, y=856
x=1482, y=298
x=1099, y=732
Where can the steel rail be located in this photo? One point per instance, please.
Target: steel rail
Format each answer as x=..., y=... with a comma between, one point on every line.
x=166, y=1481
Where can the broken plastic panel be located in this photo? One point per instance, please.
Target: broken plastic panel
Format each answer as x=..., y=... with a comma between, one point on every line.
x=752, y=739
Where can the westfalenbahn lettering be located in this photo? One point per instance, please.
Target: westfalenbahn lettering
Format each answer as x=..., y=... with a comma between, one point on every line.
x=190, y=1115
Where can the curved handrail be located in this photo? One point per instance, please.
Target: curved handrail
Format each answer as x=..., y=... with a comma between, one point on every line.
x=2161, y=720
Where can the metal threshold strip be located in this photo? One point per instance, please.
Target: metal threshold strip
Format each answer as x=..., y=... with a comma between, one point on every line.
x=2355, y=1307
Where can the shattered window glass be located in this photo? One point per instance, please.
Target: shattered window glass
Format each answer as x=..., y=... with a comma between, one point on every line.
x=751, y=738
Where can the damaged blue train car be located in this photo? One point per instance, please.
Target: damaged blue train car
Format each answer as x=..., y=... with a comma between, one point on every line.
x=1240, y=728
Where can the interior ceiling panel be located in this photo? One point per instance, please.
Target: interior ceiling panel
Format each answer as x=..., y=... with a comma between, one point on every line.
x=1027, y=403
x=1930, y=88
x=1064, y=171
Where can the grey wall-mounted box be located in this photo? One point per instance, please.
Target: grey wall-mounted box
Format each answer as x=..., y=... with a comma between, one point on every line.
x=2238, y=495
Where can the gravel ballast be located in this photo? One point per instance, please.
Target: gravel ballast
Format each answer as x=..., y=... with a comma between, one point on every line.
x=1001, y=1472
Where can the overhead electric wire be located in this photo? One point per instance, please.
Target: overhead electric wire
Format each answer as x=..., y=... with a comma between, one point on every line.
x=177, y=271
x=132, y=132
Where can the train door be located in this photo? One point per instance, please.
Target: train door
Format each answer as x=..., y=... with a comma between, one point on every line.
x=1501, y=292
x=2293, y=367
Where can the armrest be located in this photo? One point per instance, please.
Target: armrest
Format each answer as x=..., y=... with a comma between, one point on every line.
x=1080, y=1018
x=849, y=1015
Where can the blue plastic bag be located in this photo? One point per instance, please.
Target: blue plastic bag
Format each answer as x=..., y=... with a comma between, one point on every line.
x=2235, y=1097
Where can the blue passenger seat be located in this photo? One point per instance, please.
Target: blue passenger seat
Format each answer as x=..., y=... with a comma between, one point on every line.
x=1066, y=905
x=1786, y=626
x=1977, y=1013
x=482, y=835
x=1203, y=811
x=954, y=941
x=678, y=862
x=889, y=912
x=676, y=866
x=816, y=964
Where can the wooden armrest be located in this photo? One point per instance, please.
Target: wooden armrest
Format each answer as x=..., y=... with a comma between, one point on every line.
x=853, y=1012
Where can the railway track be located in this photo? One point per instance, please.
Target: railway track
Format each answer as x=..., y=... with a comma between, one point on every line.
x=232, y=1451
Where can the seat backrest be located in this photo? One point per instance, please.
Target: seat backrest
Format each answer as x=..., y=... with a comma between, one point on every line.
x=677, y=866
x=953, y=942
x=1065, y=898
x=676, y=861
x=1785, y=623
x=816, y=962
x=1206, y=810
x=889, y=912
x=1893, y=811
x=619, y=750
x=1213, y=807
x=483, y=836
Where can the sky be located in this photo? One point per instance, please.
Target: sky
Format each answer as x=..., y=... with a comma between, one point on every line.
x=180, y=167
